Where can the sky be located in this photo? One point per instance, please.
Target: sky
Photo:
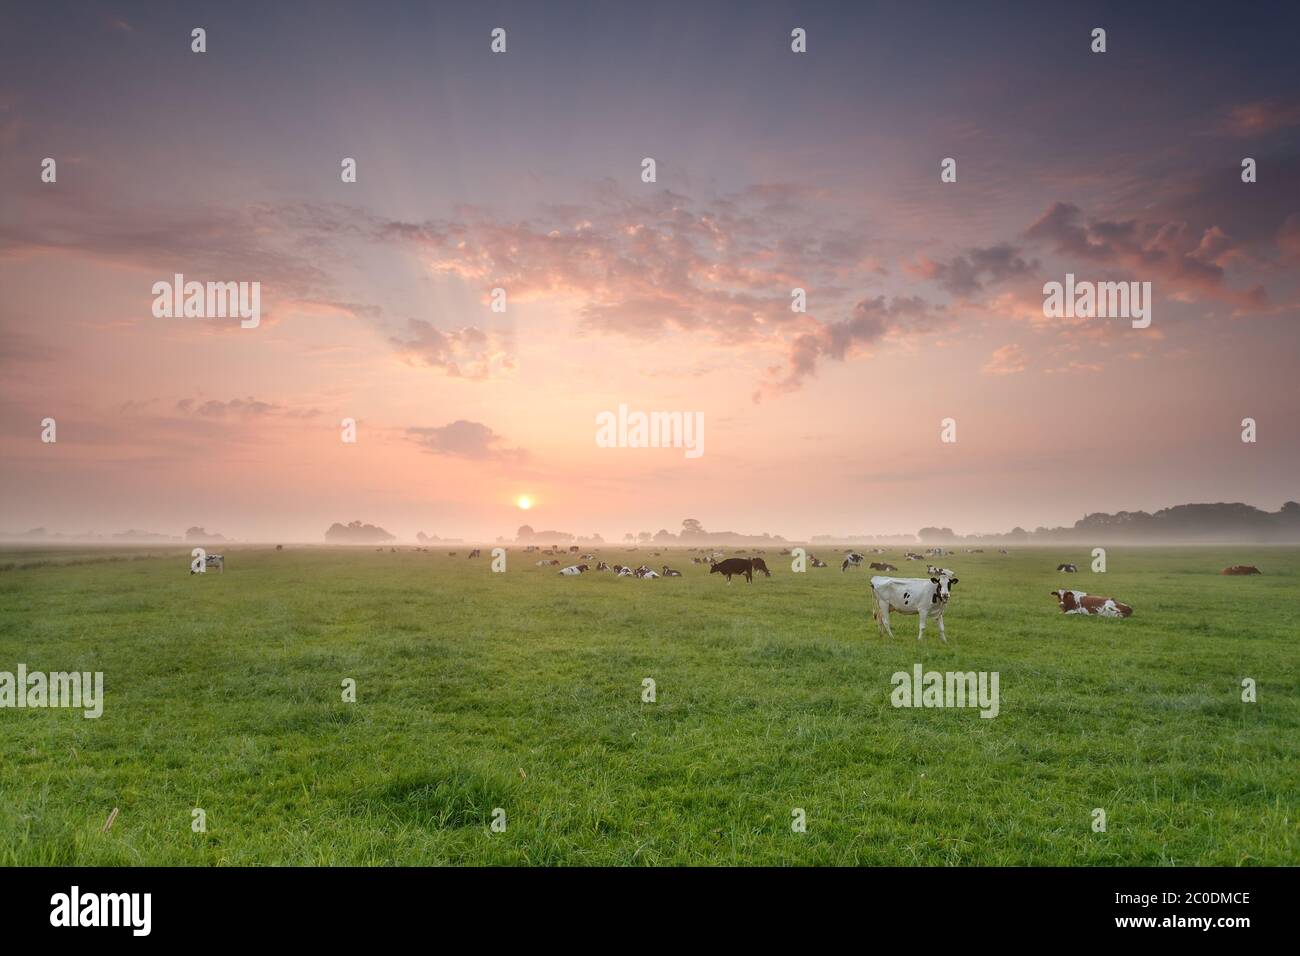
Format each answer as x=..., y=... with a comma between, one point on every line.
x=522, y=170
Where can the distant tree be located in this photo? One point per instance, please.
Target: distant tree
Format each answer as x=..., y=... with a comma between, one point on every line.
x=692, y=529
x=664, y=534
x=643, y=536
x=524, y=533
x=629, y=536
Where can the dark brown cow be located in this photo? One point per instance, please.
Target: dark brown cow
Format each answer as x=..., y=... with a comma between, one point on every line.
x=882, y=566
x=1242, y=569
x=745, y=566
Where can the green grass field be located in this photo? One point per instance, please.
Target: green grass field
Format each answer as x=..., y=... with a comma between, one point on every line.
x=523, y=691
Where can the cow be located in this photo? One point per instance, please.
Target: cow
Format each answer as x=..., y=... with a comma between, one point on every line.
x=851, y=560
x=1067, y=568
x=882, y=566
x=733, y=566
x=547, y=562
x=646, y=573
x=1080, y=602
x=932, y=570
x=670, y=573
x=1242, y=569
x=816, y=562
x=925, y=598
x=573, y=569
x=475, y=553
x=279, y=547
x=624, y=571
x=602, y=566
x=217, y=561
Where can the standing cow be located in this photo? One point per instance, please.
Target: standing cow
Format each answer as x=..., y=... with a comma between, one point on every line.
x=928, y=599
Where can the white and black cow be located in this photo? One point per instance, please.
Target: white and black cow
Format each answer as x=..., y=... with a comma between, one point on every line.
x=851, y=560
x=217, y=561
x=670, y=573
x=926, y=598
x=1067, y=568
x=573, y=569
x=934, y=572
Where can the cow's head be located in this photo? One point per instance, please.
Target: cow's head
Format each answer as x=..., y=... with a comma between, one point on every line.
x=942, y=589
x=1065, y=598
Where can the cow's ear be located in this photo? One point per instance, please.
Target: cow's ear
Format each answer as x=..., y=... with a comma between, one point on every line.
x=952, y=582
x=934, y=580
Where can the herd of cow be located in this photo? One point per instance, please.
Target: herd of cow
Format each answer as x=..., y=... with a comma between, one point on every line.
x=925, y=597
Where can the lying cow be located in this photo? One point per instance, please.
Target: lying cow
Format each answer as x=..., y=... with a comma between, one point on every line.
x=882, y=566
x=1067, y=568
x=217, y=561
x=851, y=560
x=670, y=573
x=927, y=599
x=573, y=569
x=816, y=562
x=932, y=570
x=1080, y=602
x=1242, y=569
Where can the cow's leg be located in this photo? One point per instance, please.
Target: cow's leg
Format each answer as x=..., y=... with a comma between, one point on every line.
x=884, y=618
x=942, y=636
x=921, y=633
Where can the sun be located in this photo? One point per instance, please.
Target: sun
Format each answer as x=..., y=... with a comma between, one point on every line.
x=524, y=502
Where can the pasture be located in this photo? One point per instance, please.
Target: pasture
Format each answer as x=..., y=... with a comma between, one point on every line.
x=523, y=691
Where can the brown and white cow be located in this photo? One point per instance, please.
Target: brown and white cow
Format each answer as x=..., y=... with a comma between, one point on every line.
x=1080, y=602
x=1242, y=569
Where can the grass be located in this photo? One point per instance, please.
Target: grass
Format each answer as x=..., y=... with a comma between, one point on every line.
x=523, y=691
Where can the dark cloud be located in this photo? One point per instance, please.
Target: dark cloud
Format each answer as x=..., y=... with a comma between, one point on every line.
x=464, y=439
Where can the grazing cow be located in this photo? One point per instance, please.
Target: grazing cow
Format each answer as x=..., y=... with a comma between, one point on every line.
x=925, y=598
x=670, y=573
x=279, y=547
x=761, y=565
x=1080, y=602
x=851, y=560
x=217, y=561
x=1242, y=569
x=882, y=566
x=733, y=566
x=573, y=569
x=475, y=553
x=1067, y=568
